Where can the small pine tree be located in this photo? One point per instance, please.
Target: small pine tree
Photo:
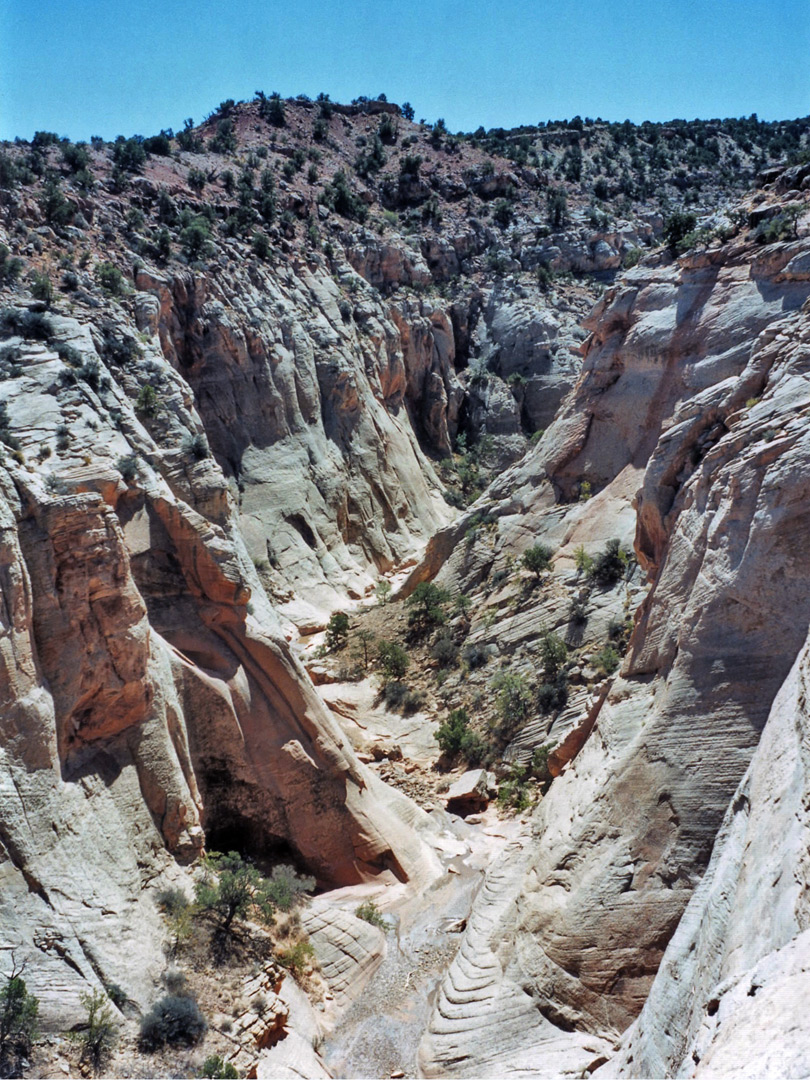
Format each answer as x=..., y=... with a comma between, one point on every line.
x=337, y=631
x=100, y=1031
x=18, y=1017
x=536, y=559
x=233, y=888
x=427, y=603
x=393, y=660
x=42, y=287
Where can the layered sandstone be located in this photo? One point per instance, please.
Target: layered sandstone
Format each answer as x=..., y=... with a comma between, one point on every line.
x=151, y=701
x=694, y=374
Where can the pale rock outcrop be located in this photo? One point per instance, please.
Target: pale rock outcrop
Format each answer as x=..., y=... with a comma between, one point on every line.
x=149, y=699
x=730, y=995
x=626, y=831
x=384, y=263
x=485, y=1022
x=307, y=412
x=469, y=793
x=348, y=950
x=700, y=652
x=429, y=352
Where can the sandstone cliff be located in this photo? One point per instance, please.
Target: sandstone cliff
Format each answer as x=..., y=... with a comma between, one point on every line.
x=693, y=374
x=151, y=702
x=203, y=456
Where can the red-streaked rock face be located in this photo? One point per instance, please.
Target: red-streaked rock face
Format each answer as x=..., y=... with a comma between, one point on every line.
x=90, y=622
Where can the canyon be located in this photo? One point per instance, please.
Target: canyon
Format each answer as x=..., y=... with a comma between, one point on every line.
x=230, y=408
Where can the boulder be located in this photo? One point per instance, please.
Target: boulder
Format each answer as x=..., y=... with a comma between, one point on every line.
x=469, y=794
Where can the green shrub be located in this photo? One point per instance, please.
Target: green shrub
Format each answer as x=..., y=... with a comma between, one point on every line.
x=513, y=793
x=410, y=165
x=545, y=278
x=552, y=695
x=224, y=141
x=275, y=110
x=179, y=913
x=75, y=156
x=539, y=763
x=233, y=888
x=337, y=631
x=578, y=611
x=172, y=901
x=163, y=245
x=607, y=661
x=127, y=465
x=129, y=154
x=557, y=208
x=394, y=693
x=171, y=1020
x=110, y=278
x=427, y=603
x=116, y=994
x=676, y=227
x=166, y=209
x=10, y=268
x=196, y=179
x=388, y=129
x=451, y=732
x=285, y=887
x=536, y=559
x=412, y=702
x=370, y=913
x=296, y=958
x=90, y=372
x=99, y=1034
x=195, y=239
x=601, y=190
x=610, y=565
x=55, y=207
x=8, y=171
x=216, y=1069
x=41, y=287
x=339, y=197
x=186, y=139
x=158, y=144
x=780, y=227
x=18, y=1018
x=134, y=219
x=503, y=213
x=553, y=654
x=260, y=245
x=147, y=402
x=196, y=446
x=474, y=655
x=583, y=560
x=445, y=651
x=393, y=660
x=513, y=698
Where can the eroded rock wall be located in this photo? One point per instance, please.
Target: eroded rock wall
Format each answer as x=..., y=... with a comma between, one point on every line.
x=150, y=702
x=728, y=999
x=695, y=374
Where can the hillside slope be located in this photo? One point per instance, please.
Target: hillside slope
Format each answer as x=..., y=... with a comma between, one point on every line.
x=248, y=369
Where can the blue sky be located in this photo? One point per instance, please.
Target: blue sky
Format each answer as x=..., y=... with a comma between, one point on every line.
x=108, y=67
